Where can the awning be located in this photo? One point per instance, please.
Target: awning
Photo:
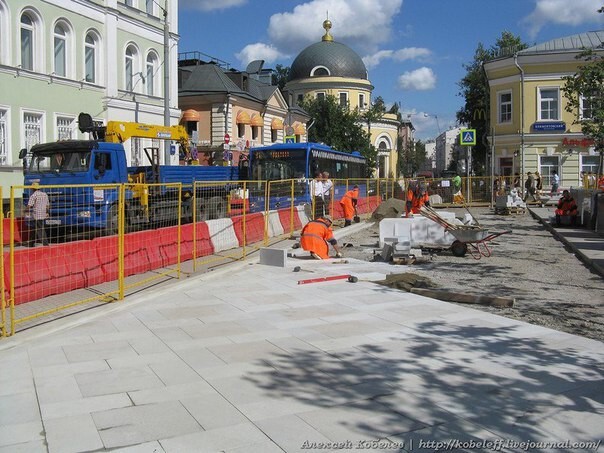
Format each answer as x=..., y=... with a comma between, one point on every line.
x=243, y=117
x=257, y=120
x=277, y=124
x=299, y=128
x=190, y=115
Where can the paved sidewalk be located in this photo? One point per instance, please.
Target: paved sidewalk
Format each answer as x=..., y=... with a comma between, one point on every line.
x=586, y=244
x=244, y=359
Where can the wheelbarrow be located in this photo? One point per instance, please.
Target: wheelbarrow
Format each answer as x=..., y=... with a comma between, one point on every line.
x=474, y=240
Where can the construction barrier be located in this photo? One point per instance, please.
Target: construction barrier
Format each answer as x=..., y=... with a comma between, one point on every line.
x=99, y=262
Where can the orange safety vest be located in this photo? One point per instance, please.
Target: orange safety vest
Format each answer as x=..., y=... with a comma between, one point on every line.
x=567, y=205
x=417, y=201
x=315, y=236
x=349, y=202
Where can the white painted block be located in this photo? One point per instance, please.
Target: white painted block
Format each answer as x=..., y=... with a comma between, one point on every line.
x=274, y=225
x=222, y=234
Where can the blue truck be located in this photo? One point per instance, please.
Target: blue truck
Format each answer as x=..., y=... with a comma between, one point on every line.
x=83, y=178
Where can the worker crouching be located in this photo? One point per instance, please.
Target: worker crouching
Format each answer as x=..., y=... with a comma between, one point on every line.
x=566, y=207
x=316, y=237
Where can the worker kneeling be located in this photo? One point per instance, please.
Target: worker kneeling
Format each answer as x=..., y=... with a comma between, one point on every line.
x=316, y=237
x=417, y=196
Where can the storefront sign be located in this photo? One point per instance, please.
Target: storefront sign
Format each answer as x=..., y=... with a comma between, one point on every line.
x=583, y=143
x=555, y=126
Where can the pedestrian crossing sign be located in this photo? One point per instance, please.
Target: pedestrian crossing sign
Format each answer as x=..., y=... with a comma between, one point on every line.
x=290, y=139
x=467, y=137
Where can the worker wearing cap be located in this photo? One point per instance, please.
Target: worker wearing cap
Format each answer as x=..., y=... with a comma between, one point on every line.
x=349, y=205
x=316, y=237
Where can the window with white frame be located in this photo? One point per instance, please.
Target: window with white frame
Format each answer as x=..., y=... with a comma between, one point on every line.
x=343, y=99
x=547, y=165
x=3, y=138
x=91, y=51
x=150, y=73
x=320, y=96
x=149, y=6
x=4, y=31
x=32, y=129
x=504, y=102
x=60, y=50
x=27, y=42
x=65, y=127
x=590, y=164
x=129, y=2
x=588, y=104
x=361, y=101
x=130, y=67
x=549, y=103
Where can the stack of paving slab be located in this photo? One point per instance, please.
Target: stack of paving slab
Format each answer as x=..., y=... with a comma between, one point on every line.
x=509, y=203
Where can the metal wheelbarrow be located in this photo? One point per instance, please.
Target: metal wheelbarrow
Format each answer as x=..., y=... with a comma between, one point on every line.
x=474, y=240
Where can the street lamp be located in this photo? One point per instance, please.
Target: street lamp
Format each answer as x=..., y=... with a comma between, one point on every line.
x=427, y=115
x=164, y=11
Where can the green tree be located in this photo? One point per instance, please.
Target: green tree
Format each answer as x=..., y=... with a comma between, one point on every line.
x=280, y=75
x=411, y=158
x=338, y=127
x=474, y=88
x=584, y=92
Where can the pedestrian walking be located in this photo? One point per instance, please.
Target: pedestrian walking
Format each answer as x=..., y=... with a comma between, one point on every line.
x=555, y=183
x=38, y=207
x=538, y=185
x=316, y=236
x=529, y=185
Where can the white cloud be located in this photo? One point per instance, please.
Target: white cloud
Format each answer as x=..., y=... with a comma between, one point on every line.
x=562, y=12
x=258, y=51
x=209, y=5
x=407, y=53
x=361, y=24
x=421, y=79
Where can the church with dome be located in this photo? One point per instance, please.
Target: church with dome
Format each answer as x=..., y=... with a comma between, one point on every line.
x=330, y=68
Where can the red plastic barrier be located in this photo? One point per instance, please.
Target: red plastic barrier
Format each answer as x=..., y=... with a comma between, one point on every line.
x=285, y=219
x=140, y=253
x=204, y=243
x=20, y=231
x=337, y=212
x=106, y=252
x=254, y=228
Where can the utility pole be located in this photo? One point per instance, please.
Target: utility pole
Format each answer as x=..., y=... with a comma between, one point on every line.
x=167, y=143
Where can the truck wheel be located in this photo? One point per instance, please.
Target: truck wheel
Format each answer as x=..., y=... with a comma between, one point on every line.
x=459, y=248
x=213, y=208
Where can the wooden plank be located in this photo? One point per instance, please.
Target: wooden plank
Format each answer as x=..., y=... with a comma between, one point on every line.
x=450, y=296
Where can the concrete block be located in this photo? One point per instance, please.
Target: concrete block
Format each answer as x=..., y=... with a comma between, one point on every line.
x=273, y=257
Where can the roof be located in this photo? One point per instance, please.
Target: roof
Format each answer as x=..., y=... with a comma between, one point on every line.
x=581, y=41
x=339, y=59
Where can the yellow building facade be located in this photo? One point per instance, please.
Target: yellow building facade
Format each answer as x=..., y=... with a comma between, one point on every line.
x=531, y=129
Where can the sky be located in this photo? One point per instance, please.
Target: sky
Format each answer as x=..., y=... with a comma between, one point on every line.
x=414, y=50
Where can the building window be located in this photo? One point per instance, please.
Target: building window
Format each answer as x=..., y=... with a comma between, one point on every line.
x=240, y=130
x=547, y=165
x=255, y=130
x=32, y=126
x=589, y=164
x=149, y=6
x=343, y=99
x=548, y=104
x=27, y=42
x=132, y=69
x=319, y=71
x=150, y=77
x=65, y=128
x=274, y=135
x=3, y=138
x=320, y=96
x=129, y=2
x=505, y=107
x=361, y=101
x=300, y=99
x=588, y=104
x=60, y=51
x=4, y=31
x=90, y=57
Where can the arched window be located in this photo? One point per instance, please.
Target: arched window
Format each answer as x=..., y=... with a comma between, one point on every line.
x=91, y=56
x=60, y=51
x=5, y=33
x=150, y=74
x=132, y=69
x=27, y=42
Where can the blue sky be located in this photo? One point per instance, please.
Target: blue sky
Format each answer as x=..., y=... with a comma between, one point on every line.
x=414, y=50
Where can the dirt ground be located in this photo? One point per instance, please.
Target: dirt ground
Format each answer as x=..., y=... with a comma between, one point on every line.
x=551, y=286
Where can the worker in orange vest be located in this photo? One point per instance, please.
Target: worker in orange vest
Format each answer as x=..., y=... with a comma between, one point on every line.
x=567, y=206
x=349, y=205
x=417, y=196
x=316, y=237
x=601, y=182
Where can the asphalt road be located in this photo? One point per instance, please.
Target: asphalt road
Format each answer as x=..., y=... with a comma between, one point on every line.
x=551, y=286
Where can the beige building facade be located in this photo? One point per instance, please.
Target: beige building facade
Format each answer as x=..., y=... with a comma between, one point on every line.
x=532, y=129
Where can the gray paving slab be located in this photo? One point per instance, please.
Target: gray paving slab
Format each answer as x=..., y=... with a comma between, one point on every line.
x=72, y=434
x=209, y=369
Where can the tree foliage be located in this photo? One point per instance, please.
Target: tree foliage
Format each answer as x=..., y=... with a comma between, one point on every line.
x=411, y=158
x=584, y=92
x=474, y=88
x=338, y=127
x=280, y=75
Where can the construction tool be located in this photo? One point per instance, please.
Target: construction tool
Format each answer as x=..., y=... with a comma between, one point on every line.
x=340, y=262
x=298, y=269
x=347, y=277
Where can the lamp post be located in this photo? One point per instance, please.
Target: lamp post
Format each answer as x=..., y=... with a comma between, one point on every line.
x=166, y=80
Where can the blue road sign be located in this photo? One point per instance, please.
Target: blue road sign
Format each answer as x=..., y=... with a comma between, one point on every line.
x=290, y=139
x=467, y=137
